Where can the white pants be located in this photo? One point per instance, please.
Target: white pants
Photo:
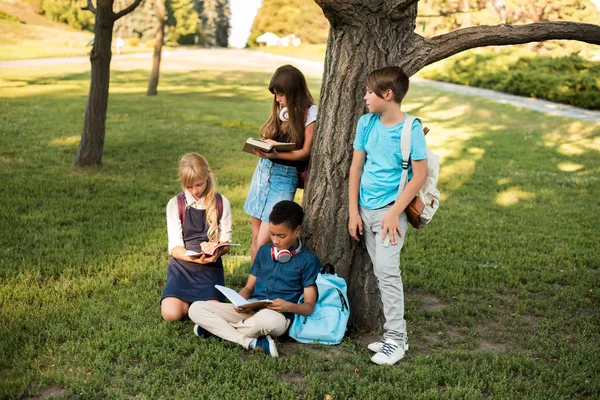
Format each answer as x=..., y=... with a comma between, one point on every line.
x=223, y=321
x=386, y=267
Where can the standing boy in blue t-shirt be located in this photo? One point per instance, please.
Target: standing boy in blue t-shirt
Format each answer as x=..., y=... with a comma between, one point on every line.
x=376, y=207
x=282, y=271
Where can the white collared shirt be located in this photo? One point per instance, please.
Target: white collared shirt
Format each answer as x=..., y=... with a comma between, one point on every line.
x=174, y=228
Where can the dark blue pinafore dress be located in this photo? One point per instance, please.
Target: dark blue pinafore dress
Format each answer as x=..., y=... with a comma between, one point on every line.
x=188, y=281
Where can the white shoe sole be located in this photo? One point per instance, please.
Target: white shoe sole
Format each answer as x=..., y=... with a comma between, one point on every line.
x=377, y=346
x=384, y=361
x=272, y=347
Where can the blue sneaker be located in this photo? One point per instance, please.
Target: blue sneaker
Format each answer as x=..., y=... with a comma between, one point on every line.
x=201, y=332
x=266, y=344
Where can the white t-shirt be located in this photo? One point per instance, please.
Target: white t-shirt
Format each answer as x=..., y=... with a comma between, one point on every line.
x=175, y=230
x=311, y=115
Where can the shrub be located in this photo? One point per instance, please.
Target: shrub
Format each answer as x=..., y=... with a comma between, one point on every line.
x=570, y=80
x=8, y=17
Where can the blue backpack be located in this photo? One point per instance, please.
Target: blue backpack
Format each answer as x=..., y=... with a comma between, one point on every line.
x=327, y=324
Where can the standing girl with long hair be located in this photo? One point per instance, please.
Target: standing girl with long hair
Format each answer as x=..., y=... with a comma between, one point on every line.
x=197, y=219
x=276, y=176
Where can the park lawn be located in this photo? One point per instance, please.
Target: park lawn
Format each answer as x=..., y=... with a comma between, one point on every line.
x=311, y=52
x=24, y=41
x=502, y=289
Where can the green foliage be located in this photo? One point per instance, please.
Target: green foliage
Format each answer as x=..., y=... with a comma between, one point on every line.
x=68, y=12
x=502, y=289
x=182, y=22
x=284, y=17
x=7, y=17
x=139, y=24
x=571, y=80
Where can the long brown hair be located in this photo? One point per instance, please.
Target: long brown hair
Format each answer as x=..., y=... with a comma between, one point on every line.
x=194, y=167
x=288, y=80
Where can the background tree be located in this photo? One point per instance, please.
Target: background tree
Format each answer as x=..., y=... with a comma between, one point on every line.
x=284, y=17
x=94, y=124
x=158, y=44
x=182, y=19
x=215, y=15
x=137, y=26
x=365, y=35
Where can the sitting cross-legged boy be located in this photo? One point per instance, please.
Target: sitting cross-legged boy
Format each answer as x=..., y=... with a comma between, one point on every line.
x=282, y=271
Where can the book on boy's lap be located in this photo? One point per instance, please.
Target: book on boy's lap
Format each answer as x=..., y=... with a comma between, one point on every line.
x=237, y=300
x=257, y=144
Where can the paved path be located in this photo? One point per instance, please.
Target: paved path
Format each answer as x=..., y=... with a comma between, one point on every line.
x=229, y=60
x=544, y=106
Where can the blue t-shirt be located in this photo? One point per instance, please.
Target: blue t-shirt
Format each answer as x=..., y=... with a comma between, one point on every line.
x=283, y=280
x=381, y=174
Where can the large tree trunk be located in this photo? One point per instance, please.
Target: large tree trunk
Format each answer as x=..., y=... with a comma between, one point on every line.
x=353, y=50
x=92, y=138
x=158, y=44
x=366, y=35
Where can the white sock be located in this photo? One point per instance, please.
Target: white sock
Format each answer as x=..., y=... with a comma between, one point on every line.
x=252, y=344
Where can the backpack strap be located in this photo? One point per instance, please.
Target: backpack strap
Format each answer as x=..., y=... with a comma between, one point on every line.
x=405, y=148
x=182, y=205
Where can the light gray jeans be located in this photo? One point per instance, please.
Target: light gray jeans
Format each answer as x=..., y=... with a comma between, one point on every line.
x=386, y=267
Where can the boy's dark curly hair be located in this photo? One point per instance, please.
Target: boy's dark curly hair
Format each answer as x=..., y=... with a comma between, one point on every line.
x=288, y=213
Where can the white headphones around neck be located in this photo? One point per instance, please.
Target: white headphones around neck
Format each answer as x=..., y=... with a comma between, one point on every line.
x=284, y=256
x=284, y=115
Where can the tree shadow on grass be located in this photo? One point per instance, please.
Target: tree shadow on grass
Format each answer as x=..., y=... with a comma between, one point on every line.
x=84, y=254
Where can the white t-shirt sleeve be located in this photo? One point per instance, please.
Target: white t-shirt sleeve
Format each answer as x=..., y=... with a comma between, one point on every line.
x=174, y=228
x=226, y=222
x=311, y=115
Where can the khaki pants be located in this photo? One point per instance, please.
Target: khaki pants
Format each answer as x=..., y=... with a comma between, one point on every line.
x=223, y=321
x=386, y=262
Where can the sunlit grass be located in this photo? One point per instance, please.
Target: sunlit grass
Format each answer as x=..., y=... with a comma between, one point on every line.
x=502, y=291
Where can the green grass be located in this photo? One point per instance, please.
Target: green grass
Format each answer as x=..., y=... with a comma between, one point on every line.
x=502, y=288
x=312, y=52
x=25, y=41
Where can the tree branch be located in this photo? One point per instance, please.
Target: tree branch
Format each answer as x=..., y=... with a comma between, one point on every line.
x=443, y=46
x=443, y=14
x=89, y=7
x=127, y=10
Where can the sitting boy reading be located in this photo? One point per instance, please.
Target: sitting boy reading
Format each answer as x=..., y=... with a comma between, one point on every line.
x=282, y=271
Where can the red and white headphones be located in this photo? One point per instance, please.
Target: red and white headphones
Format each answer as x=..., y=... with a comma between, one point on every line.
x=284, y=255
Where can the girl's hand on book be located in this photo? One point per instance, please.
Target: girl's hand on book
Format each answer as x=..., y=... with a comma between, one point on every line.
x=272, y=154
x=391, y=227
x=206, y=259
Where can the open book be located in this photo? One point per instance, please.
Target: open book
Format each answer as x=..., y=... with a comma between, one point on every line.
x=192, y=253
x=252, y=144
x=237, y=300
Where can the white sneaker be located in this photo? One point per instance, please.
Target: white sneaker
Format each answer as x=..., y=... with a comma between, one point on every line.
x=376, y=347
x=390, y=354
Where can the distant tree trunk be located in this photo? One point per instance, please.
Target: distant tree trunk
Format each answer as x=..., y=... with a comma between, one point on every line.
x=366, y=35
x=158, y=44
x=94, y=124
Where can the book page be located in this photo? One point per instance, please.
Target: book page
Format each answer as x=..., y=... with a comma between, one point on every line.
x=237, y=300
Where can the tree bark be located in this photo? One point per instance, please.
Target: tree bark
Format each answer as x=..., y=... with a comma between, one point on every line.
x=353, y=50
x=94, y=125
x=91, y=145
x=366, y=35
x=158, y=44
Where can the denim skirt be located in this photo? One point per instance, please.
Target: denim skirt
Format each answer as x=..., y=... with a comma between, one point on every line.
x=271, y=183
